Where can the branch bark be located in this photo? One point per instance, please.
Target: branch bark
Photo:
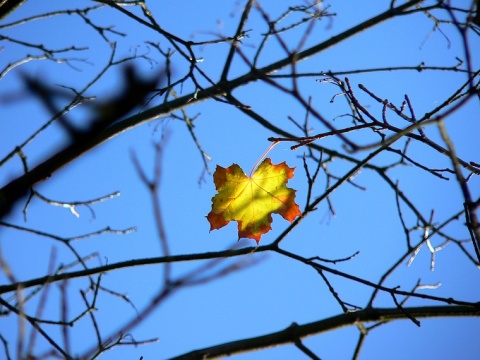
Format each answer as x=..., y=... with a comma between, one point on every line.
x=295, y=332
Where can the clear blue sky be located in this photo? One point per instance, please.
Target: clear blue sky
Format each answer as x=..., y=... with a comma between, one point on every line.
x=275, y=292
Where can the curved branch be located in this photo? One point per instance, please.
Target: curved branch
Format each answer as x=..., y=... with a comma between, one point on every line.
x=294, y=332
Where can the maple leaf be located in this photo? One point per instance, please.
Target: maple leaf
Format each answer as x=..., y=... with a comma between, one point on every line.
x=251, y=200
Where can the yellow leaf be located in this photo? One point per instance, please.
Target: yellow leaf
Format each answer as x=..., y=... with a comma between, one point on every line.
x=251, y=200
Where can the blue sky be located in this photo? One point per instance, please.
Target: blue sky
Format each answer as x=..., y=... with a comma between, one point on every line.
x=274, y=292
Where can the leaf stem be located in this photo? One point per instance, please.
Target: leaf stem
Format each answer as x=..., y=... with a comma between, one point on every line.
x=263, y=157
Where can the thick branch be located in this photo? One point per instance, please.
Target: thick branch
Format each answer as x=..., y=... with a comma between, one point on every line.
x=59, y=160
x=133, y=95
x=295, y=332
x=8, y=6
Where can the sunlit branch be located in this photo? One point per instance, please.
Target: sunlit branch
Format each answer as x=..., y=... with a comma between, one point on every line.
x=71, y=205
x=472, y=219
